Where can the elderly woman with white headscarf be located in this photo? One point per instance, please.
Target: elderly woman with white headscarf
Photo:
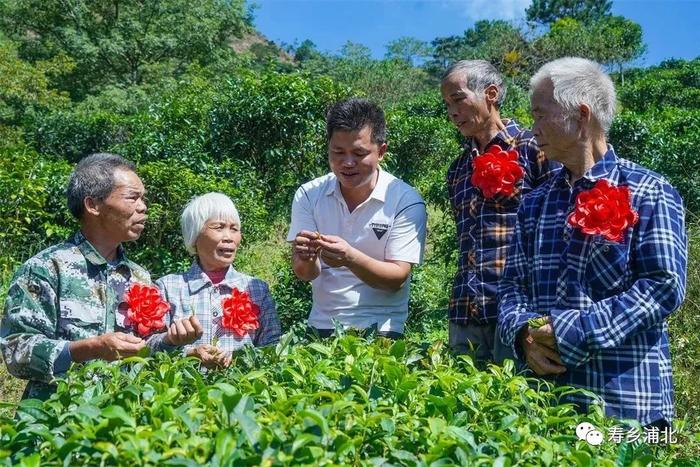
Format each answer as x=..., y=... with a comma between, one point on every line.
x=234, y=309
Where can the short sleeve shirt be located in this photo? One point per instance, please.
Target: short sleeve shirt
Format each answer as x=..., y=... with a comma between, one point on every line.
x=389, y=225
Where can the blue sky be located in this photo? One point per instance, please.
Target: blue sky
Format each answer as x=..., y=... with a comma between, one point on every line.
x=670, y=26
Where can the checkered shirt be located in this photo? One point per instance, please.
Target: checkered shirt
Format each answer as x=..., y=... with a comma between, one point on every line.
x=192, y=292
x=608, y=300
x=485, y=226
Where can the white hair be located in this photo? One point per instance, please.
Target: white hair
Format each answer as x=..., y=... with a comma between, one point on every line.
x=478, y=75
x=579, y=81
x=201, y=209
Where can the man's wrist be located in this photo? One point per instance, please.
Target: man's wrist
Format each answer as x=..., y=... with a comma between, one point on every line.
x=86, y=349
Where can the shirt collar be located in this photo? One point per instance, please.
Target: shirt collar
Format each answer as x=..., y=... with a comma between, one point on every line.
x=603, y=169
x=93, y=256
x=507, y=136
x=378, y=193
x=197, y=279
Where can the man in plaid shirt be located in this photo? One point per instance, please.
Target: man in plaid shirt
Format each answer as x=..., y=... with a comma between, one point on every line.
x=473, y=91
x=605, y=292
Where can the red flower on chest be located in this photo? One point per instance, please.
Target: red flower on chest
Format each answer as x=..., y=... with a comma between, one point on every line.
x=146, y=308
x=496, y=172
x=604, y=210
x=241, y=315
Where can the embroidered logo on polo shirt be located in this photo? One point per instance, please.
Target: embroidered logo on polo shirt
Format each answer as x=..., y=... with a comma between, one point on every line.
x=379, y=229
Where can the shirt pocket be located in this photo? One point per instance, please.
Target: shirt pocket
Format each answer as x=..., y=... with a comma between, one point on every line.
x=503, y=204
x=606, y=268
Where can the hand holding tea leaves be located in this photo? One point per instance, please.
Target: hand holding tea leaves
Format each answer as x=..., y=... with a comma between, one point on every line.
x=335, y=251
x=538, y=322
x=306, y=245
x=540, y=347
x=211, y=356
x=116, y=345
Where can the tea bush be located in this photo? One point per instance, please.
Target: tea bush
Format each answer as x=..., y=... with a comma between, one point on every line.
x=345, y=401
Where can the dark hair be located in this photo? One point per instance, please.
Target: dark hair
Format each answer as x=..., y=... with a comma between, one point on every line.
x=355, y=114
x=93, y=177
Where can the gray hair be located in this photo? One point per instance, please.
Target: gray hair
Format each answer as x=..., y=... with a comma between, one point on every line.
x=199, y=210
x=579, y=81
x=478, y=75
x=93, y=177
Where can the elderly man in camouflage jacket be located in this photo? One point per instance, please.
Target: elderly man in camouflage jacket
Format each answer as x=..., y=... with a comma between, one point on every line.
x=66, y=304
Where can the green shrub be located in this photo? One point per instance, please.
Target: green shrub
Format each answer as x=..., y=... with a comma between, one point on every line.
x=33, y=212
x=673, y=83
x=663, y=141
x=344, y=401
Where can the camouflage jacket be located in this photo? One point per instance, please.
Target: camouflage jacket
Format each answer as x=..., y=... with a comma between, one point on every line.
x=65, y=293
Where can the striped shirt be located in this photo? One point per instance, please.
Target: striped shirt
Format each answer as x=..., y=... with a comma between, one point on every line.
x=485, y=226
x=608, y=300
x=192, y=292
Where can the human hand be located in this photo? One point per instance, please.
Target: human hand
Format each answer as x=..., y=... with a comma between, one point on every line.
x=543, y=359
x=211, y=357
x=306, y=245
x=116, y=345
x=335, y=251
x=184, y=331
x=542, y=332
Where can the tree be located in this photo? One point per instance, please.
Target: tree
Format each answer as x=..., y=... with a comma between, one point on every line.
x=549, y=11
x=498, y=42
x=25, y=86
x=570, y=37
x=307, y=50
x=409, y=49
x=123, y=42
x=355, y=51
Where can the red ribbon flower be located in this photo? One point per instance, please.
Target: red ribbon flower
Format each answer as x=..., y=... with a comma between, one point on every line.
x=604, y=210
x=240, y=313
x=146, y=308
x=497, y=171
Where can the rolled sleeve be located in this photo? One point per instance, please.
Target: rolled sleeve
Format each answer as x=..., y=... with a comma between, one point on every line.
x=63, y=361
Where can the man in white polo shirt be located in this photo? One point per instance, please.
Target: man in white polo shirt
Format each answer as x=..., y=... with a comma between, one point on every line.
x=357, y=231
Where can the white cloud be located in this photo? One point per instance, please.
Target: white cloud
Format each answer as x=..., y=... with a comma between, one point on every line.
x=490, y=9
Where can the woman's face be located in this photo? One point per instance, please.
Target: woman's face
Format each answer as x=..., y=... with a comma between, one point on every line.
x=217, y=244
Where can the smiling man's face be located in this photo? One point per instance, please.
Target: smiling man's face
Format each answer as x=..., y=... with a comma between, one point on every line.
x=467, y=109
x=354, y=158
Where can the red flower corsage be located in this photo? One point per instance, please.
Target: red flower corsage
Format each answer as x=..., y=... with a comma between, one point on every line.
x=240, y=313
x=604, y=210
x=146, y=308
x=497, y=172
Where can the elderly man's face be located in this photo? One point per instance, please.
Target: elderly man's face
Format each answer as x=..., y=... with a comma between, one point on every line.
x=354, y=158
x=467, y=110
x=123, y=212
x=556, y=136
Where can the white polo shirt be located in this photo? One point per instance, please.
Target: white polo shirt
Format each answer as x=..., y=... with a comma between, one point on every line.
x=389, y=225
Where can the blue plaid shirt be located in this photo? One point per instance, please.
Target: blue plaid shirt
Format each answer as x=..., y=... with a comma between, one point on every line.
x=608, y=301
x=192, y=292
x=485, y=226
